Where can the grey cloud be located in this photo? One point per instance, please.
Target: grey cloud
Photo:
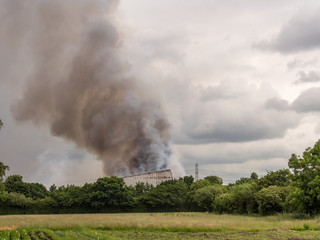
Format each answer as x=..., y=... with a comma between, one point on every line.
x=234, y=160
x=255, y=114
x=226, y=90
x=248, y=127
x=233, y=131
x=307, y=101
x=277, y=104
x=299, y=63
x=166, y=46
x=293, y=63
x=67, y=155
x=317, y=129
x=300, y=33
x=222, y=153
x=230, y=172
x=308, y=77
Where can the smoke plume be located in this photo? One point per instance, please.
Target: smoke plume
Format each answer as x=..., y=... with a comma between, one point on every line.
x=77, y=83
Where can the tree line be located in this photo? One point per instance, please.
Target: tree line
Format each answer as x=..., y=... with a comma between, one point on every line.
x=294, y=190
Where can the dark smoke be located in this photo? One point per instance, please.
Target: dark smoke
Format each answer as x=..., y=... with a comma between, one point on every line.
x=78, y=85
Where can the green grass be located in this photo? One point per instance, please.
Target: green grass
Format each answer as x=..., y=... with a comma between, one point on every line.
x=88, y=234
x=5, y=234
x=156, y=226
x=15, y=235
x=24, y=234
x=170, y=222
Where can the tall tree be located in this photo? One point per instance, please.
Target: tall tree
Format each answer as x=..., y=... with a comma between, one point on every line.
x=3, y=169
x=204, y=197
x=271, y=199
x=169, y=195
x=214, y=179
x=279, y=178
x=110, y=193
x=254, y=176
x=37, y=191
x=188, y=180
x=15, y=184
x=306, y=178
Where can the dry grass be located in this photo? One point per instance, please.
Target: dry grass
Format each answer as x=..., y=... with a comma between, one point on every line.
x=8, y=228
x=192, y=221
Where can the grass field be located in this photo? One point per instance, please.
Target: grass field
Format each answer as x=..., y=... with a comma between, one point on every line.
x=156, y=226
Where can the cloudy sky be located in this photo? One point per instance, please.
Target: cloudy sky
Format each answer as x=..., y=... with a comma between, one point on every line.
x=239, y=82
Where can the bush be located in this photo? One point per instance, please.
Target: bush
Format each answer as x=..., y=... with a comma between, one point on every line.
x=244, y=201
x=214, y=180
x=167, y=196
x=204, y=197
x=110, y=193
x=279, y=178
x=239, y=200
x=17, y=200
x=224, y=203
x=199, y=184
x=271, y=200
x=3, y=198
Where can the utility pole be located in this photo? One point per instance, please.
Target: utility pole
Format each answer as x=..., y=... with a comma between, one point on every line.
x=196, y=174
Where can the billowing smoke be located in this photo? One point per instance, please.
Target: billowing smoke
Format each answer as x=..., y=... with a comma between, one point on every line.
x=77, y=83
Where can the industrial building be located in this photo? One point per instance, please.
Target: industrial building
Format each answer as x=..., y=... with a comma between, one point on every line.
x=153, y=178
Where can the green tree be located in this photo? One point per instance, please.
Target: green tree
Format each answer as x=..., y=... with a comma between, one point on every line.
x=53, y=188
x=15, y=184
x=239, y=199
x=68, y=196
x=204, y=197
x=169, y=195
x=214, y=179
x=243, y=196
x=199, y=184
x=142, y=188
x=225, y=203
x=110, y=193
x=306, y=178
x=3, y=169
x=3, y=199
x=254, y=176
x=188, y=180
x=17, y=200
x=271, y=199
x=37, y=191
x=279, y=178
x=243, y=180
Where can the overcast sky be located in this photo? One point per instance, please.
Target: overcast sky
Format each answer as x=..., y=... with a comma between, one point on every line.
x=238, y=80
